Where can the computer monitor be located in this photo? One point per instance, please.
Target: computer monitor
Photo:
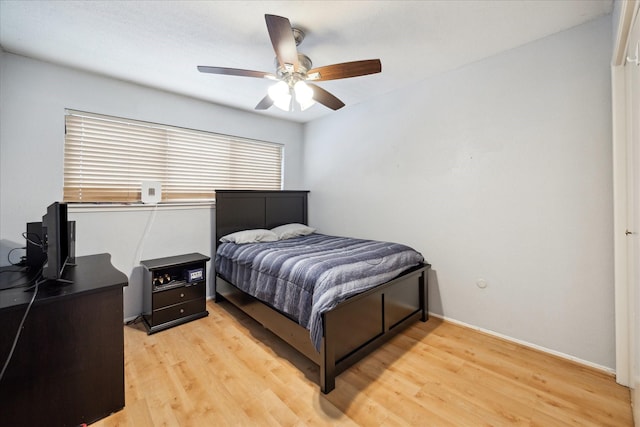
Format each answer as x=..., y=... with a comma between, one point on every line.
x=55, y=241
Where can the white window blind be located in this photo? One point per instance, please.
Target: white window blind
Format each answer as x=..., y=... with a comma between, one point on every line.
x=106, y=159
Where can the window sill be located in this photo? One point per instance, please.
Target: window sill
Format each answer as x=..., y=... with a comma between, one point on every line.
x=119, y=207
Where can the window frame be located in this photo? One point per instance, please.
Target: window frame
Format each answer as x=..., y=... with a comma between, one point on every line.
x=230, y=162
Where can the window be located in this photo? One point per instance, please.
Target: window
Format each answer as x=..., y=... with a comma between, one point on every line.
x=106, y=159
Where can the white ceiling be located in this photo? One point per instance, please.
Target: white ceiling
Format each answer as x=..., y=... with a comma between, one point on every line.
x=160, y=43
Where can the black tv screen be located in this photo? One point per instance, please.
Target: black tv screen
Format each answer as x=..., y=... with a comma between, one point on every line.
x=55, y=240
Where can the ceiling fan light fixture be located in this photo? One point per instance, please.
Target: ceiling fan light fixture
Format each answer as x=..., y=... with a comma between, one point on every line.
x=304, y=95
x=280, y=93
x=307, y=104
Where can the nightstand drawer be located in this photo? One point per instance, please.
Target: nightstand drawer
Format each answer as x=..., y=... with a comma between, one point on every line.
x=177, y=311
x=175, y=296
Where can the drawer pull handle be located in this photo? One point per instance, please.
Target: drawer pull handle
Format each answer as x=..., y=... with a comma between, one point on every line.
x=181, y=295
x=181, y=310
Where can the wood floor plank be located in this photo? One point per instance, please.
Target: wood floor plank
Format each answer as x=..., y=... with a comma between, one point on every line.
x=226, y=369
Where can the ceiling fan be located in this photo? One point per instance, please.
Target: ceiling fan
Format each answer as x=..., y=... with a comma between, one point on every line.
x=294, y=72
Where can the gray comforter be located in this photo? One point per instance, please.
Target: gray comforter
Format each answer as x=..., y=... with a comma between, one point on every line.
x=306, y=276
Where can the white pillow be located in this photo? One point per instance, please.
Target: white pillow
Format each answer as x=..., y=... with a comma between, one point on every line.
x=250, y=236
x=288, y=231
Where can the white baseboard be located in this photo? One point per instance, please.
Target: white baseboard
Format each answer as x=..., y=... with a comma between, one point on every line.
x=507, y=338
x=527, y=344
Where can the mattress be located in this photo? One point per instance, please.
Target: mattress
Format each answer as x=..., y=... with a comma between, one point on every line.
x=306, y=276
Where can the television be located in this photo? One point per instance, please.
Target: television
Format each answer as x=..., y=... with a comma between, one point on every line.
x=57, y=241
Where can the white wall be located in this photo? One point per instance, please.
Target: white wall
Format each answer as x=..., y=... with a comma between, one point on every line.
x=34, y=96
x=500, y=170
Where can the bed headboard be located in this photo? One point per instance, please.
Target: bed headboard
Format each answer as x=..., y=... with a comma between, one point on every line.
x=238, y=210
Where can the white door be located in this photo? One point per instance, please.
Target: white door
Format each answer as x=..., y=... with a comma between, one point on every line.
x=632, y=76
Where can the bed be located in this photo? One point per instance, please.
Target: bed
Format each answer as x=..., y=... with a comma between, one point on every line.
x=373, y=316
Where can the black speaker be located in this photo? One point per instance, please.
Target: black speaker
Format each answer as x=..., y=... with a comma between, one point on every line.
x=72, y=242
x=35, y=255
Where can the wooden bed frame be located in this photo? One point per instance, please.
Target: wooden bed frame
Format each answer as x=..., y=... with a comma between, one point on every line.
x=373, y=316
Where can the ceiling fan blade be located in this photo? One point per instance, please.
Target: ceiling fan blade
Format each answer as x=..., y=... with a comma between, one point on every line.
x=282, y=40
x=345, y=70
x=236, y=72
x=265, y=103
x=325, y=98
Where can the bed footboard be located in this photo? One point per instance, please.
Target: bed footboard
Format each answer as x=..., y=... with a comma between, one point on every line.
x=373, y=317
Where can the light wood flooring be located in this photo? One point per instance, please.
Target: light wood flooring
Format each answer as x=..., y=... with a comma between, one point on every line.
x=226, y=369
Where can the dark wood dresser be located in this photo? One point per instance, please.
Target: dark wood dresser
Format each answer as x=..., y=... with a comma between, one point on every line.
x=68, y=365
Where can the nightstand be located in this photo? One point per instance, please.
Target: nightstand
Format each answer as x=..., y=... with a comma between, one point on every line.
x=174, y=290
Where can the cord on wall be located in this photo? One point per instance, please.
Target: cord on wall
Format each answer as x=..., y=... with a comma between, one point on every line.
x=150, y=220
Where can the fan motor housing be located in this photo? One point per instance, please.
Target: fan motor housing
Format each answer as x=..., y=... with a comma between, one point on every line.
x=304, y=63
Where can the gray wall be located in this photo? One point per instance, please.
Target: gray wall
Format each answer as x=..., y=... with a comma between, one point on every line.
x=34, y=97
x=500, y=171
